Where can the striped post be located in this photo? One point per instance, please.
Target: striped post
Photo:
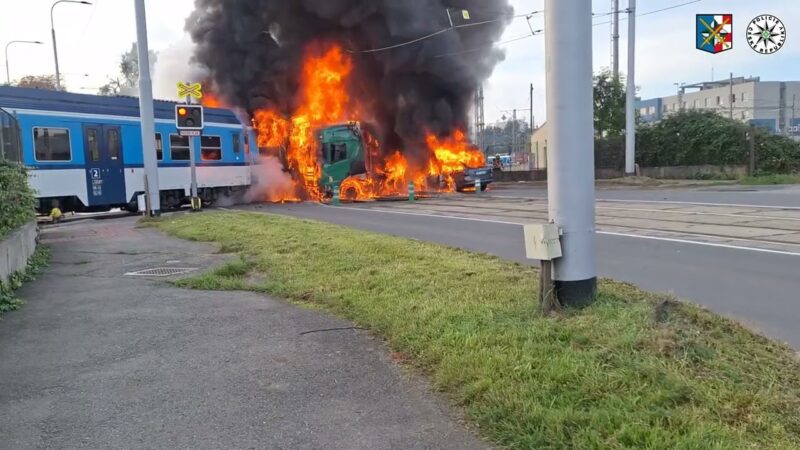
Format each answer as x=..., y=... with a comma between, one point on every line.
x=335, y=194
x=478, y=186
x=411, y=192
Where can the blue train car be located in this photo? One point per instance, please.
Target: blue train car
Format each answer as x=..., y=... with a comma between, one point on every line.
x=85, y=151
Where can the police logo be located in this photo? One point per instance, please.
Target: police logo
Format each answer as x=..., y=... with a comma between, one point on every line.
x=766, y=34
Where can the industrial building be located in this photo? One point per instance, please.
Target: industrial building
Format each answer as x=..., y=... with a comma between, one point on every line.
x=769, y=104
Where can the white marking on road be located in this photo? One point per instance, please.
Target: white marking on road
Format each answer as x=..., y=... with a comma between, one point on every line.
x=675, y=202
x=709, y=244
x=609, y=233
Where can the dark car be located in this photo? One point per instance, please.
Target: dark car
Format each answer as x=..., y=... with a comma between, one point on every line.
x=466, y=179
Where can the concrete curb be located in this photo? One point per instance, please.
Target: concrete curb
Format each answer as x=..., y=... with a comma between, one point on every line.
x=16, y=249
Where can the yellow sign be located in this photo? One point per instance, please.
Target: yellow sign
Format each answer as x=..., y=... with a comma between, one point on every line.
x=190, y=89
x=465, y=14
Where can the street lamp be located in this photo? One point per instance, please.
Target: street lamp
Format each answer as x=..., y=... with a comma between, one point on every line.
x=53, y=31
x=8, y=71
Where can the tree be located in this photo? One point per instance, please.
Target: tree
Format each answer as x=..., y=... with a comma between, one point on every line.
x=38, y=82
x=609, y=104
x=498, y=138
x=128, y=72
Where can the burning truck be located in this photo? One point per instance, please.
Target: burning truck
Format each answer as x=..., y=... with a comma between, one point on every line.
x=340, y=95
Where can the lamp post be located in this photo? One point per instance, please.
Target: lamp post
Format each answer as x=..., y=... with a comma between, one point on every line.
x=8, y=71
x=53, y=32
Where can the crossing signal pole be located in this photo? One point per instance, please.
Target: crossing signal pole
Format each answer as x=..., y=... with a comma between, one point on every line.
x=570, y=163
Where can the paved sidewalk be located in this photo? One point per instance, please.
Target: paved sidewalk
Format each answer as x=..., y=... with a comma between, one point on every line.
x=97, y=359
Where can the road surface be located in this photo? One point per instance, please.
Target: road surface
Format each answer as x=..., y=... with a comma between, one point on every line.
x=752, y=276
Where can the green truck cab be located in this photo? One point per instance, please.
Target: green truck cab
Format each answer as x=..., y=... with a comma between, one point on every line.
x=344, y=154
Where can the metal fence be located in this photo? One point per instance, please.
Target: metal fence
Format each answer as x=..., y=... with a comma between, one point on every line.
x=10, y=143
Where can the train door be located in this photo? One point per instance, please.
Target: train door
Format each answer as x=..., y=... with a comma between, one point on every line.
x=105, y=174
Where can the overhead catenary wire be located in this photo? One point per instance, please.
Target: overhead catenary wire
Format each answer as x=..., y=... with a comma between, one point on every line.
x=444, y=30
x=644, y=13
x=539, y=32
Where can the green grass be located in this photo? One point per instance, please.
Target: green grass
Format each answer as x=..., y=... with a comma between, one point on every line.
x=634, y=370
x=8, y=299
x=771, y=179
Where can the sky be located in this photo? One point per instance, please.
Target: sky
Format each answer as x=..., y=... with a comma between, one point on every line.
x=92, y=37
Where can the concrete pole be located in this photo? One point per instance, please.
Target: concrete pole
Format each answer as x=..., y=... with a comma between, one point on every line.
x=146, y=112
x=531, y=111
x=630, y=94
x=615, y=38
x=570, y=161
x=730, y=98
x=514, y=133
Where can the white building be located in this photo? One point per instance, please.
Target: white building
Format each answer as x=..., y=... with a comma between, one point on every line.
x=771, y=104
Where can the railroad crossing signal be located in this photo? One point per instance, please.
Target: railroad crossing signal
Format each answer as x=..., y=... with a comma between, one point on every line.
x=189, y=117
x=190, y=90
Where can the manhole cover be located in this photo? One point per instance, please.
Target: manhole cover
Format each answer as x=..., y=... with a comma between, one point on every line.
x=161, y=271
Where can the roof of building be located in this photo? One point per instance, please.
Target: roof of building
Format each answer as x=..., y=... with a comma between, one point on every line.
x=721, y=83
x=47, y=100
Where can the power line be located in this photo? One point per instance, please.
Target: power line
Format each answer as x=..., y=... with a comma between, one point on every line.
x=538, y=32
x=435, y=33
x=646, y=13
x=481, y=47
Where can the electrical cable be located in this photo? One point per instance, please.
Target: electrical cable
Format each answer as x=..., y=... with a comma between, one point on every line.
x=435, y=33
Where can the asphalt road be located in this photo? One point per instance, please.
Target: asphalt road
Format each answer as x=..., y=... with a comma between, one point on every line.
x=101, y=360
x=782, y=195
x=757, y=288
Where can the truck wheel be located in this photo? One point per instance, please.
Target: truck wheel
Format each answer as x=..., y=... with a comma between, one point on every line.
x=350, y=193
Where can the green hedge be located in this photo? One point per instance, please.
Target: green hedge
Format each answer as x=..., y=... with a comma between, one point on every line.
x=692, y=138
x=17, y=199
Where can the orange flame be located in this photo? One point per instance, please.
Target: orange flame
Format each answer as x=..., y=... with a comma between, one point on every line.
x=323, y=100
x=212, y=101
x=271, y=127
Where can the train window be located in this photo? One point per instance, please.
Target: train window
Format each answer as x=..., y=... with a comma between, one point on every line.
x=210, y=148
x=113, y=143
x=237, y=145
x=178, y=147
x=52, y=144
x=92, y=144
x=159, y=147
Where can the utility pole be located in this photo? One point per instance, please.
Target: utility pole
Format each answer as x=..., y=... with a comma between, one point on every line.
x=531, y=109
x=730, y=99
x=514, y=133
x=570, y=161
x=146, y=113
x=630, y=94
x=615, y=37
x=479, y=119
x=792, y=125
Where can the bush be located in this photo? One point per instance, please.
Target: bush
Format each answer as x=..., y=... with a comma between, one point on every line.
x=691, y=138
x=17, y=199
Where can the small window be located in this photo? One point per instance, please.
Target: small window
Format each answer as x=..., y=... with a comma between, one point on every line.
x=113, y=143
x=237, y=144
x=664, y=108
x=92, y=144
x=52, y=144
x=719, y=100
x=338, y=152
x=733, y=98
x=178, y=147
x=159, y=147
x=741, y=97
x=652, y=110
x=210, y=148
x=705, y=102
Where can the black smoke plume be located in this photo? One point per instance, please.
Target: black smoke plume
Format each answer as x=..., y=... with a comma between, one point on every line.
x=253, y=50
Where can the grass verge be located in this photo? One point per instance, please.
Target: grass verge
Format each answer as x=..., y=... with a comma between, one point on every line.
x=8, y=301
x=634, y=370
x=771, y=179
